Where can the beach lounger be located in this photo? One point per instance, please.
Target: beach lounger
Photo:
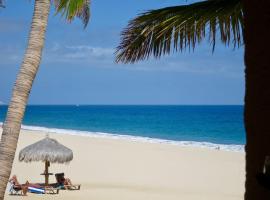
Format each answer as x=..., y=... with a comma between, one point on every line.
x=21, y=189
x=45, y=190
x=51, y=190
x=73, y=187
x=15, y=190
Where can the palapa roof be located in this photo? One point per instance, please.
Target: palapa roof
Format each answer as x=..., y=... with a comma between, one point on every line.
x=47, y=149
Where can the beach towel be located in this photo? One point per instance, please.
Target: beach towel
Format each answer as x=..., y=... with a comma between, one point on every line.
x=36, y=190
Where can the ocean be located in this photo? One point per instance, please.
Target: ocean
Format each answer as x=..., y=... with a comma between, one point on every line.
x=219, y=127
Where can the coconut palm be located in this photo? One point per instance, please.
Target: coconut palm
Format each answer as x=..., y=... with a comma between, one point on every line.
x=159, y=32
x=11, y=127
x=257, y=97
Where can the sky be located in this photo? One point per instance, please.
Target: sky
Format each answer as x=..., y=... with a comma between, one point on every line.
x=78, y=65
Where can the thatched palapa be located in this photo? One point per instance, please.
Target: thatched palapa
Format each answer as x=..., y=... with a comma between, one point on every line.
x=47, y=149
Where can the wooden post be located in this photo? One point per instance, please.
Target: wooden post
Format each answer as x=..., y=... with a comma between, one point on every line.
x=46, y=173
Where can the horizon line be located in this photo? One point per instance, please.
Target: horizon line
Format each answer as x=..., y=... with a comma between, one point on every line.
x=130, y=105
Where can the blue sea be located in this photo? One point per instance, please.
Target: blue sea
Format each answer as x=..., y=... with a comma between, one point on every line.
x=219, y=127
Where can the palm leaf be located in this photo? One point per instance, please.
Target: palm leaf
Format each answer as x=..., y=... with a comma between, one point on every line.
x=157, y=32
x=74, y=8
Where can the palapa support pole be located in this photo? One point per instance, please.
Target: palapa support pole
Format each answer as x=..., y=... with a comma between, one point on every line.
x=46, y=173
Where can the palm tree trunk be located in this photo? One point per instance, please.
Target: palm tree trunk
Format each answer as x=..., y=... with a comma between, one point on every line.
x=257, y=99
x=21, y=90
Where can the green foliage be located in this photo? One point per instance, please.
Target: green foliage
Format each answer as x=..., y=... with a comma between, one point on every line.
x=74, y=8
x=156, y=32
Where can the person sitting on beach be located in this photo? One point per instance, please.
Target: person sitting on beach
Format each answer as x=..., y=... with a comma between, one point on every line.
x=24, y=187
x=17, y=186
x=35, y=185
x=62, y=181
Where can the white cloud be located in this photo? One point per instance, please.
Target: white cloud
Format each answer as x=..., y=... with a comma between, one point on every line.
x=103, y=57
x=85, y=54
x=95, y=51
x=82, y=51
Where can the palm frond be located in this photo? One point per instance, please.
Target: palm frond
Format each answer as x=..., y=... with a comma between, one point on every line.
x=74, y=8
x=156, y=32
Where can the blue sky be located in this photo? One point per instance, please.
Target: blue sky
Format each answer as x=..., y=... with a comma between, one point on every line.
x=78, y=65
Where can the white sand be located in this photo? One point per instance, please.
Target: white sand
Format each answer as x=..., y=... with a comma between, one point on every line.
x=124, y=170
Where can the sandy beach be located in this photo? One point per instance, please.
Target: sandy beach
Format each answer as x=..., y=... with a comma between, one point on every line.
x=121, y=169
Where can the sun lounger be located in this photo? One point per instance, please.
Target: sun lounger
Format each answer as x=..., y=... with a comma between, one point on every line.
x=73, y=187
x=51, y=190
x=21, y=189
x=45, y=190
x=15, y=190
